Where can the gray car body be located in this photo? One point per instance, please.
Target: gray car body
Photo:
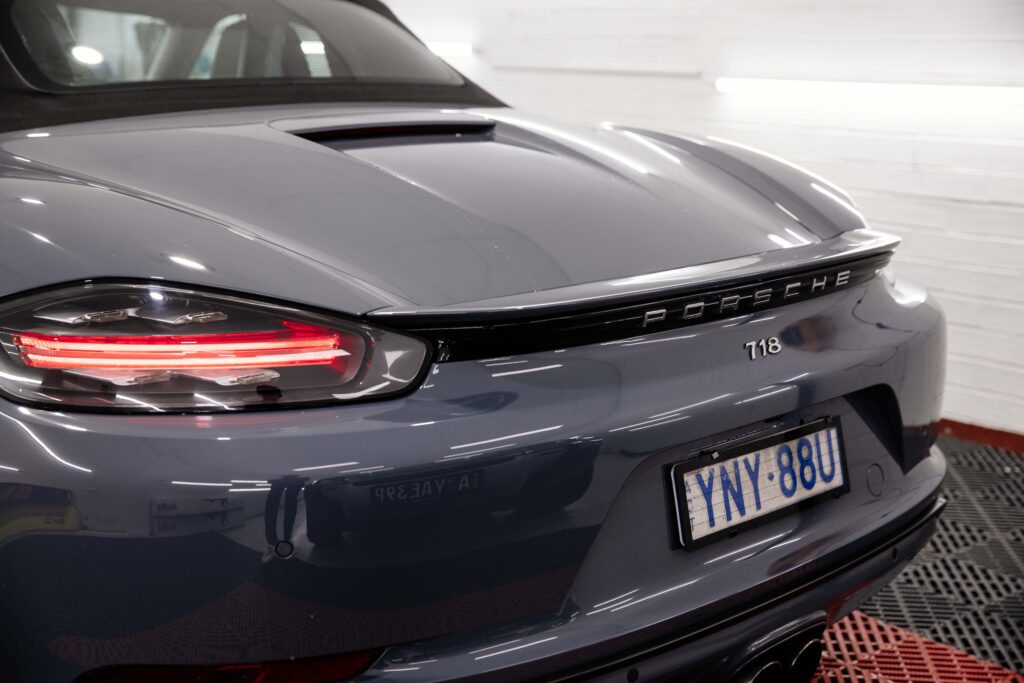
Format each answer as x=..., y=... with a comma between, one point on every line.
x=544, y=217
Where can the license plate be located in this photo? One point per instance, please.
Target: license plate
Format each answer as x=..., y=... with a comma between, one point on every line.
x=427, y=488
x=758, y=480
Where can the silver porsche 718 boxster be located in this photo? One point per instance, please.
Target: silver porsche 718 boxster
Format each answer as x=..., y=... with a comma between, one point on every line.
x=318, y=363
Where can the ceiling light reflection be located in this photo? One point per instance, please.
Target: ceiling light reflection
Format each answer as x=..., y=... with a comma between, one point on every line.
x=364, y=392
x=655, y=595
x=797, y=236
x=517, y=647
x=617, y=603
x=187, y=262
x=523, y=372
x=838, y=200
x=46, y=448
x=616, y=598
x=491, y=647
x=324, y=467
x=130, y=399
x=770, y=393
x=87, y=55
x=312, y=47
x=778, y=159
x=650, y=144
x=210, y=401
x=20, y=379
x=506, y=438
x=786, y=211
x=367, y=470
x=917, y=93
x=744, y=549
x=470, y=454
x=659, y=424
x=570, y=138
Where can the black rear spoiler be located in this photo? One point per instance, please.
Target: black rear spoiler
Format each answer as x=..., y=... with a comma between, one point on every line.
x=629, y=308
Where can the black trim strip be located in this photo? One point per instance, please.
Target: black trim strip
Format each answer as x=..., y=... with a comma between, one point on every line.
x=342, y=135
x=475, y=340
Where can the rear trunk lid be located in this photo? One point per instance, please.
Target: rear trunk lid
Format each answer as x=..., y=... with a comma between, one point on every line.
x=433, y=207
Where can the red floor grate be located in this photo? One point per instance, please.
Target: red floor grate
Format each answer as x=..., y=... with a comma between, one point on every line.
x=862, y=649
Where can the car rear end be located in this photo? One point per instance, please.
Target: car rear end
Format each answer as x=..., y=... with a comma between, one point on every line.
x=303, y=381
x=514, y=517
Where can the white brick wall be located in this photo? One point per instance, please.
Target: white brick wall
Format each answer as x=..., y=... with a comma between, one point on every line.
x=949, y=179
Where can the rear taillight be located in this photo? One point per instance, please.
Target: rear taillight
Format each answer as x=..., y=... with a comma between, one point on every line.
x=158, y=348
x=295, y=344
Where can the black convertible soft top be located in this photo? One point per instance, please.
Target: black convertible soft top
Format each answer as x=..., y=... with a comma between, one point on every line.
x=22, y=105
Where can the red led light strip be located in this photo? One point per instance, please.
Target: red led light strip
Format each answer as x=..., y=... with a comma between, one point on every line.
x=296, y=345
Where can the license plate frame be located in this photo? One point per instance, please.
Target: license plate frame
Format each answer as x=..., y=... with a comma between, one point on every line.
x=678, y=471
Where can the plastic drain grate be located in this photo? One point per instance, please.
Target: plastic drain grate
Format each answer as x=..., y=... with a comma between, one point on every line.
x=983, y=458
x=985, y=638
x=964, y=481
x=911, y=607
x=916, y=659
x=991, y=518
x=857, y=636
x=860, y=649
x=1011, y=608
x=966, y=589
x=951, y=537
x=962, y=582
x=1002, y=555
x=1009, y=492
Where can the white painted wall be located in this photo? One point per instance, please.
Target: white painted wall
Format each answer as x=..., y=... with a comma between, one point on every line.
x=948, y=177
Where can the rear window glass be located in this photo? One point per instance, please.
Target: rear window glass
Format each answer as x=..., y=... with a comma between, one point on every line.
x=88, y=43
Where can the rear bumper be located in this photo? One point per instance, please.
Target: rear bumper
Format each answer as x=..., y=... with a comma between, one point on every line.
x=712, y=652
x=708, y=646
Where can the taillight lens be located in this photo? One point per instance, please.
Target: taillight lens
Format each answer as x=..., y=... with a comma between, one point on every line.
x=159, y=348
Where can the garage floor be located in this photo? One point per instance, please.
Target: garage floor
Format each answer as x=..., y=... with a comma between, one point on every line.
x=957, y=612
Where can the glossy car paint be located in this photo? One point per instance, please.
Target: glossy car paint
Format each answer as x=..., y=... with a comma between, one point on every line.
x=430, y=224
x=498, y=581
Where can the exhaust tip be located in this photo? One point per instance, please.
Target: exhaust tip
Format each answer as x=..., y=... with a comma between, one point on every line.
x=768, y=672
x=805, y=664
